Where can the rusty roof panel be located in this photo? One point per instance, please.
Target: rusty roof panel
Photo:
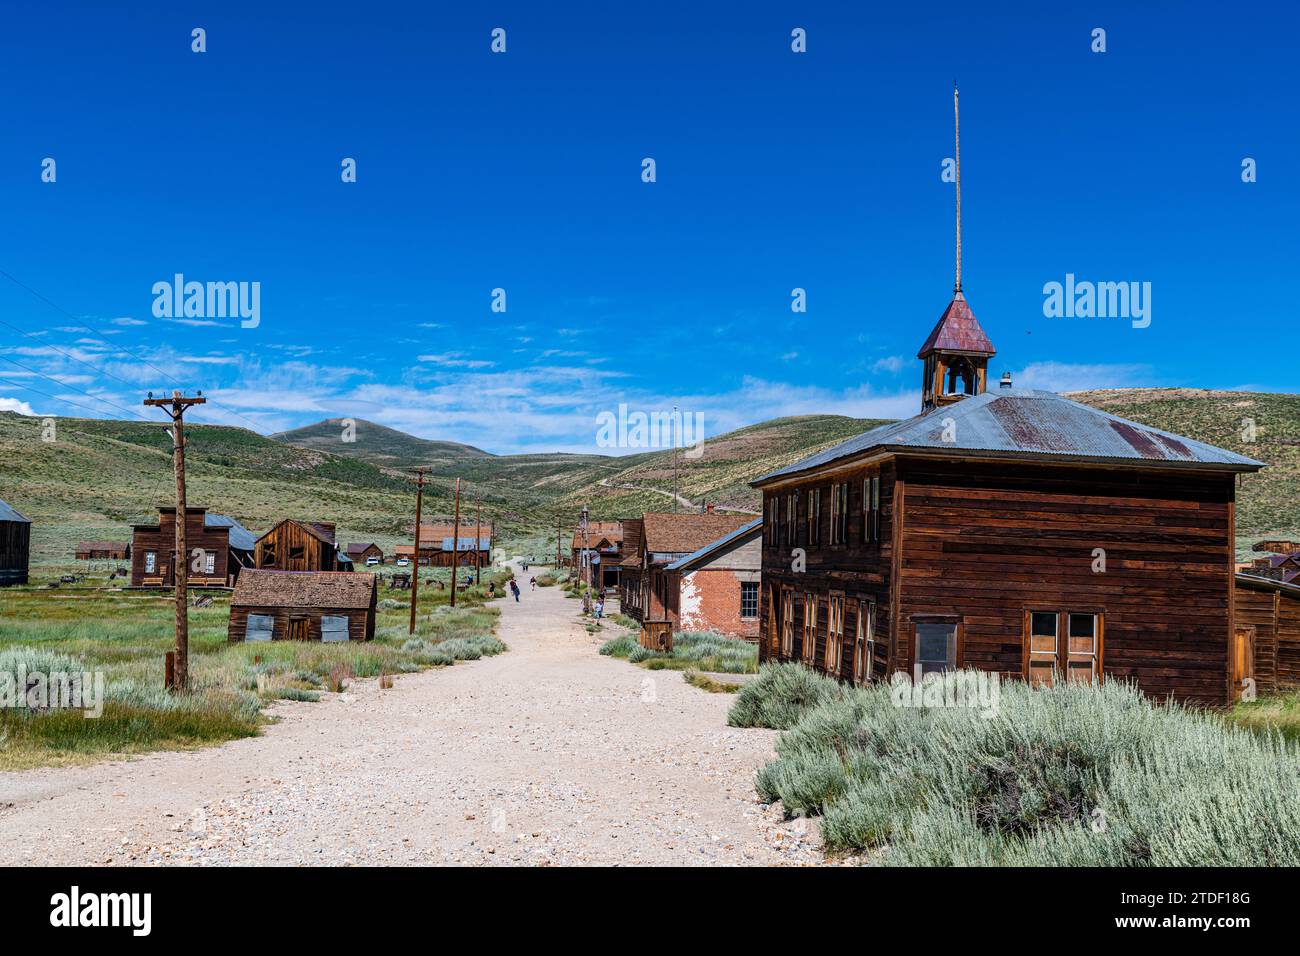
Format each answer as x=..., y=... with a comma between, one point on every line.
x=1033, y=423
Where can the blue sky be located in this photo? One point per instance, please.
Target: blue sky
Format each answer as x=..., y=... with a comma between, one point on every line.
x=522, y=171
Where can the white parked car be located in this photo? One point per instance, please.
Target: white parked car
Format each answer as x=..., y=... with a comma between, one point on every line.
x=371, y=561
x=402, y=562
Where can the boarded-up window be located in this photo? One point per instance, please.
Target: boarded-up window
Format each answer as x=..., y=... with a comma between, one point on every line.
x=1081, y=654
x=260, y=627
x=333, y=629
x=787, y=624
x=809, y=628
x=936, y=646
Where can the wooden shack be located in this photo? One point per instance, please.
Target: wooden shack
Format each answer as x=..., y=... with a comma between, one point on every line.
x=440, y=546
x=298, y=546
x=332, y=607
x=103, y=550
x=15, y=546
x=226, y=546
x=1010, y=530
x=1266, y=646
x=602, y=544
x=361, y=553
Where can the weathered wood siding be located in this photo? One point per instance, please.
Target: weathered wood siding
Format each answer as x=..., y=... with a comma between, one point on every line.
x=361, y=622
x=15, y=548
x=291, y=547
x=1274, y=612
x=161, y=540
x=859, y=569
x=986, y=542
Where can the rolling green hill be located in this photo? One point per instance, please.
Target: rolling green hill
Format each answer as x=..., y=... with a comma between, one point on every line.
x=385, y=447
x=100, y=476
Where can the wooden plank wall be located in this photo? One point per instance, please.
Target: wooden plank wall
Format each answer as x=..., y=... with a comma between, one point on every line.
x=274, y=549
x=987, y=541
x=15, y=547
x=162, y=541
x=860, y=570
x=1275, y=615
x=361, y=623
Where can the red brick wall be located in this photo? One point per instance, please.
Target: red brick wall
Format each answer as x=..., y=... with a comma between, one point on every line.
x=710, y=601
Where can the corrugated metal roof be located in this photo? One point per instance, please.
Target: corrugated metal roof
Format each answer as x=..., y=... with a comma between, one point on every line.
x=9, y=513
x=717, y=545
x=1032, y=423
x=241, y=538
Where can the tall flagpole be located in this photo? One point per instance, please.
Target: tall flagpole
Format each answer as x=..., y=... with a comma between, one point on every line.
x=956, y=127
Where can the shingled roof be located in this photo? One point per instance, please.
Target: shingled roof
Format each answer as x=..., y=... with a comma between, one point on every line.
x=1032, y=424
x=682, y=533
x=957, y=331
x=750, y=529
x=305, y=589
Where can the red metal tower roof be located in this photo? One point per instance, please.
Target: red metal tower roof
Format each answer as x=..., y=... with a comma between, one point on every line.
x=957, y=331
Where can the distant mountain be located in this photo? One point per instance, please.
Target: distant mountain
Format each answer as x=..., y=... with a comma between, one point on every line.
x=99, y=476
x=377, y=444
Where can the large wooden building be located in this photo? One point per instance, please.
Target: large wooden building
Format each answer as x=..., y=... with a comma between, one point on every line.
x=15, y=546
x=303, y=606
x=300, y=546
x=226, y=545
x=1009, y=530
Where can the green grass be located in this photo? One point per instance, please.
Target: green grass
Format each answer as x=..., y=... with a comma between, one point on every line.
x=1280, y=714
x=692, y=651
x=709, y=684
x=125, y=634
x=1075, y=775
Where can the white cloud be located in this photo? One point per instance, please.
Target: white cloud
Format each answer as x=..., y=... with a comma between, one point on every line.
x=14, y=405
x=891, y=364
x=127, y=320
x=1066, y=377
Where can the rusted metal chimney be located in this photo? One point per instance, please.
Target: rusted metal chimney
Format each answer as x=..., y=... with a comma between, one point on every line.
x=1006, y=380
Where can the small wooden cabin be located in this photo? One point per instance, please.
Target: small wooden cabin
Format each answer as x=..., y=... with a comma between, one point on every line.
x=1267, y=640
x=332, y=607
x=361, y=553
x=298, y=546
x=604, y=547
x=103, y=550
x=226, y=544
x=15, y=546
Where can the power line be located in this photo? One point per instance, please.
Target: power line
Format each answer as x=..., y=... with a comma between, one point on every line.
x=66, y=401
x=129, y=411
x=100, y=333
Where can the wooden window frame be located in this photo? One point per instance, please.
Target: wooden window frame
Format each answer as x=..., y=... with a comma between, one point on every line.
x=834, y=659
x=839, y=513
x=810, y=620
x=871, y=509
x=864, y=642
x=151, y=562
x=1062, y=653
x=814, y=516
x=757, y=595
x=959, y=637
x=787, y=623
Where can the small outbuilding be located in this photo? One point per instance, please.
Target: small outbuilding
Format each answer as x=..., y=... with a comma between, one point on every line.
x=300, y=546
x=1266, y=639
x=361, y=553
x=103, y=551
x=15, y=546
x=328, y=606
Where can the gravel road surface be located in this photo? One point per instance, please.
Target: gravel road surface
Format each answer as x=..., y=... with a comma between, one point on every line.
x=548, y=754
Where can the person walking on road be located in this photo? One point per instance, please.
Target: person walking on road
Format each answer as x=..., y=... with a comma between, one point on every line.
x=600, y=608
x=514, y=588
x=533, y=582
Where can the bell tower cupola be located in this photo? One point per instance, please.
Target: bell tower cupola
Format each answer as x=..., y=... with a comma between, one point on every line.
x=957, y=353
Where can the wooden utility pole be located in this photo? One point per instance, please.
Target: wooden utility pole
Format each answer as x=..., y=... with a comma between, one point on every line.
x=558, y=563
x=478, y=545
x=455, y=546
x=175, y=407
x=415, y=571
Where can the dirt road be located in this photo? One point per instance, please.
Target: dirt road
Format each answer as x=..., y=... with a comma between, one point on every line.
x=548, y=754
